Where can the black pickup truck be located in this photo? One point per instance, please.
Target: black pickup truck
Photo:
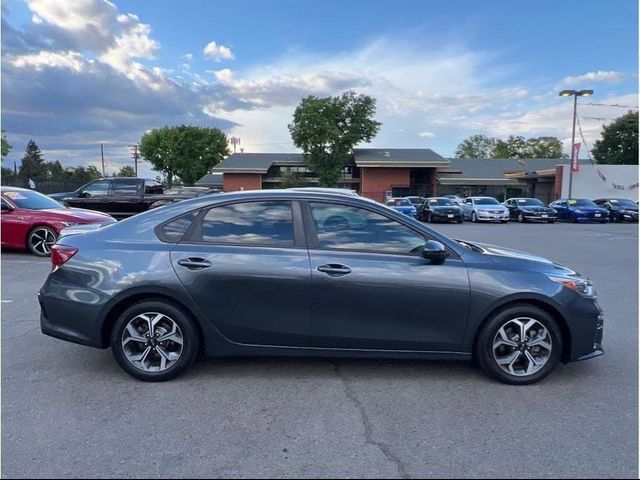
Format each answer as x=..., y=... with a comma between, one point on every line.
x=123, y=197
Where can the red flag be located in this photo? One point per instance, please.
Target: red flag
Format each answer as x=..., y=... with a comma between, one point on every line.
x=575, y=165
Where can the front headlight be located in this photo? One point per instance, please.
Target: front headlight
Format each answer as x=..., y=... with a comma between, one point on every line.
x=581, y=285
x=580, y=211
x=70, y=224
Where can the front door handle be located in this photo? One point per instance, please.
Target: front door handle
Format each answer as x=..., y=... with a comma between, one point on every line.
x=194, y=263
x=334, y=269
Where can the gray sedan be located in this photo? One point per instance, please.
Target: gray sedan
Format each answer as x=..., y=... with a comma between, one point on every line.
x=310, y=274
x=484, y=209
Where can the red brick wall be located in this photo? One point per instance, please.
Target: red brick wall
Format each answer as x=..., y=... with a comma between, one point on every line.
x=374, y=182
x=558, y=186
x=242, y=181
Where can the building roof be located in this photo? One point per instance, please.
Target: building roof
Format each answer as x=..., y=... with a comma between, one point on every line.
x=257, y=162
x=398, y=157
x=211, y=179
x=493, y=171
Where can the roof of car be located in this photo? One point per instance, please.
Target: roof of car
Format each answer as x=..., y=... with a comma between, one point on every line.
x=5, y=187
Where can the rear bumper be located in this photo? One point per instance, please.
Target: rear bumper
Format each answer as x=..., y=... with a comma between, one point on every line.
x=72, y=326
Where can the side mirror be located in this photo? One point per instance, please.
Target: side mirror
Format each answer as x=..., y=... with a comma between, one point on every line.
x=435, y=251
x=84, y=195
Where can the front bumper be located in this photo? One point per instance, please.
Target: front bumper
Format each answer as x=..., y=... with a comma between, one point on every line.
x=587, y=334
x=492, y=217
x=540, y=217
x=444, y=217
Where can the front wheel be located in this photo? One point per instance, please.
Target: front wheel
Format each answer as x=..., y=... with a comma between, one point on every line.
x=474, y=217
x=519, y=345
x=154, y=340
x=521, y=218
x=40, y=240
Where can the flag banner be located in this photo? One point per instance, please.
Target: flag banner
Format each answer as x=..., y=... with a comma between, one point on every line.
x=617, y=187
x=575, y=164
x=601, y=175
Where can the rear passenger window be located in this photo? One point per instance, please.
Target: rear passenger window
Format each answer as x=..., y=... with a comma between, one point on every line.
x=175, y=230
x=249, y=223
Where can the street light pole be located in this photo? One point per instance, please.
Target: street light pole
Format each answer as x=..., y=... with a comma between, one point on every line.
x=575, y=94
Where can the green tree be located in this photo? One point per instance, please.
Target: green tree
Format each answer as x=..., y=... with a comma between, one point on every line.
x=291, y=180
x=184, y=151
x=476, y=146
x=512, y=147
x=545, y=147
x=126, y=171
x=326, y=130
x=55, y=170
x=619, y=142
x=33, y=165
x=6, y=148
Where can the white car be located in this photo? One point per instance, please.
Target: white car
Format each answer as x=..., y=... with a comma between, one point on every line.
x=484, y=209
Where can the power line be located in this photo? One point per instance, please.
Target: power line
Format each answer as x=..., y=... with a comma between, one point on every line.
x=611, y=105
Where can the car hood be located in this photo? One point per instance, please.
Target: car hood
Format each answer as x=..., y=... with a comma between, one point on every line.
x=403, y=208
x=438, y=208
x=630, y=209
x=79, y=215
x=524, y=260
x=536, y=209
x=589, y=209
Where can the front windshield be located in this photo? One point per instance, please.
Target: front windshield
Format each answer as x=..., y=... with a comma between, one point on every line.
x=31, y=200
x=581, y=202
x=440, y=202
x=530, y=202
x=622, y=202
x=486, y=201
x=399, y=202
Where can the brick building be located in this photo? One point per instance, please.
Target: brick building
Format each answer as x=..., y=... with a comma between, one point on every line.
x=378, y=172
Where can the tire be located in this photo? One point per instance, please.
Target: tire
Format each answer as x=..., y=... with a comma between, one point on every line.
x=573, y=218
x=474, y=217
x=521, y=218
x=151, y=369
x=40, y=241
x=460, y=220
x=506, y=319
x=429, y=218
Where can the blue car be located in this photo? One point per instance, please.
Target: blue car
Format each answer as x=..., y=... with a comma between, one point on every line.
x=402, y=205
x=579, y=210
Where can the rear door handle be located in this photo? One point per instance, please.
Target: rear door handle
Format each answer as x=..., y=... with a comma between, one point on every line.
x=334, y=269
x=194, y=263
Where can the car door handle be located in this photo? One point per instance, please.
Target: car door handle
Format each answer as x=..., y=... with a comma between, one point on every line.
x=194, y=263
x=334, y=269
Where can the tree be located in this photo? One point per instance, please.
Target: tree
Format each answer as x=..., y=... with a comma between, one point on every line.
x=184, y=151
x=512, y=147
x=476, y=146
x=33, y=165
x=6, y=148
x=291, y=180
x=55, y=170
x=619, y=142
x=127, y=171
x=545, y=147
x=326, y=130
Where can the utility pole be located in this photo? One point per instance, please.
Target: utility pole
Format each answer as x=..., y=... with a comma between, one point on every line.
x=135, y=155
x=234, y=141
x=102, y=155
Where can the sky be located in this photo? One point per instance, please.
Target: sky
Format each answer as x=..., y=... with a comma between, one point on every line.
x=77, y=73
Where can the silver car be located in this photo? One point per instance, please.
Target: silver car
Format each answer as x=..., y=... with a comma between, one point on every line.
x=484, y=209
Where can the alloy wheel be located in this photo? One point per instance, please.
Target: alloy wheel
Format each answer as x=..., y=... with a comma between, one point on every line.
x=152, y=342
x=474, y=217
x=520, y=218
x=41, y=240
x=522, y=346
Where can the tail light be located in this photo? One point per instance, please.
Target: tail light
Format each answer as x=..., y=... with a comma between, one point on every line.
x=60, y=254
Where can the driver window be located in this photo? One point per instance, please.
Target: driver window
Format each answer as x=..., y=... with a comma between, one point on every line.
x=96, y=189
x=341, y=227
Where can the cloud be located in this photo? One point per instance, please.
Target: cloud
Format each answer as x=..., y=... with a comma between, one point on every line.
x=606, y=76
x=217, y=52
x=426, y=134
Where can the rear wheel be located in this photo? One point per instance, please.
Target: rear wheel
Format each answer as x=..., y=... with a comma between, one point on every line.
x=154, y=341
x=519, y=345
x=40, y=240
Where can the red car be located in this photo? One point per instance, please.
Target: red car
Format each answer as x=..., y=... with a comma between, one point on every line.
x=33, y=221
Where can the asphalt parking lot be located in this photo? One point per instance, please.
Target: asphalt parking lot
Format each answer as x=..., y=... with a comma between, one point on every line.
x=69, y=411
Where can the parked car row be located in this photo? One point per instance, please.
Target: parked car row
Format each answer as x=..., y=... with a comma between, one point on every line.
x=451, y=208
